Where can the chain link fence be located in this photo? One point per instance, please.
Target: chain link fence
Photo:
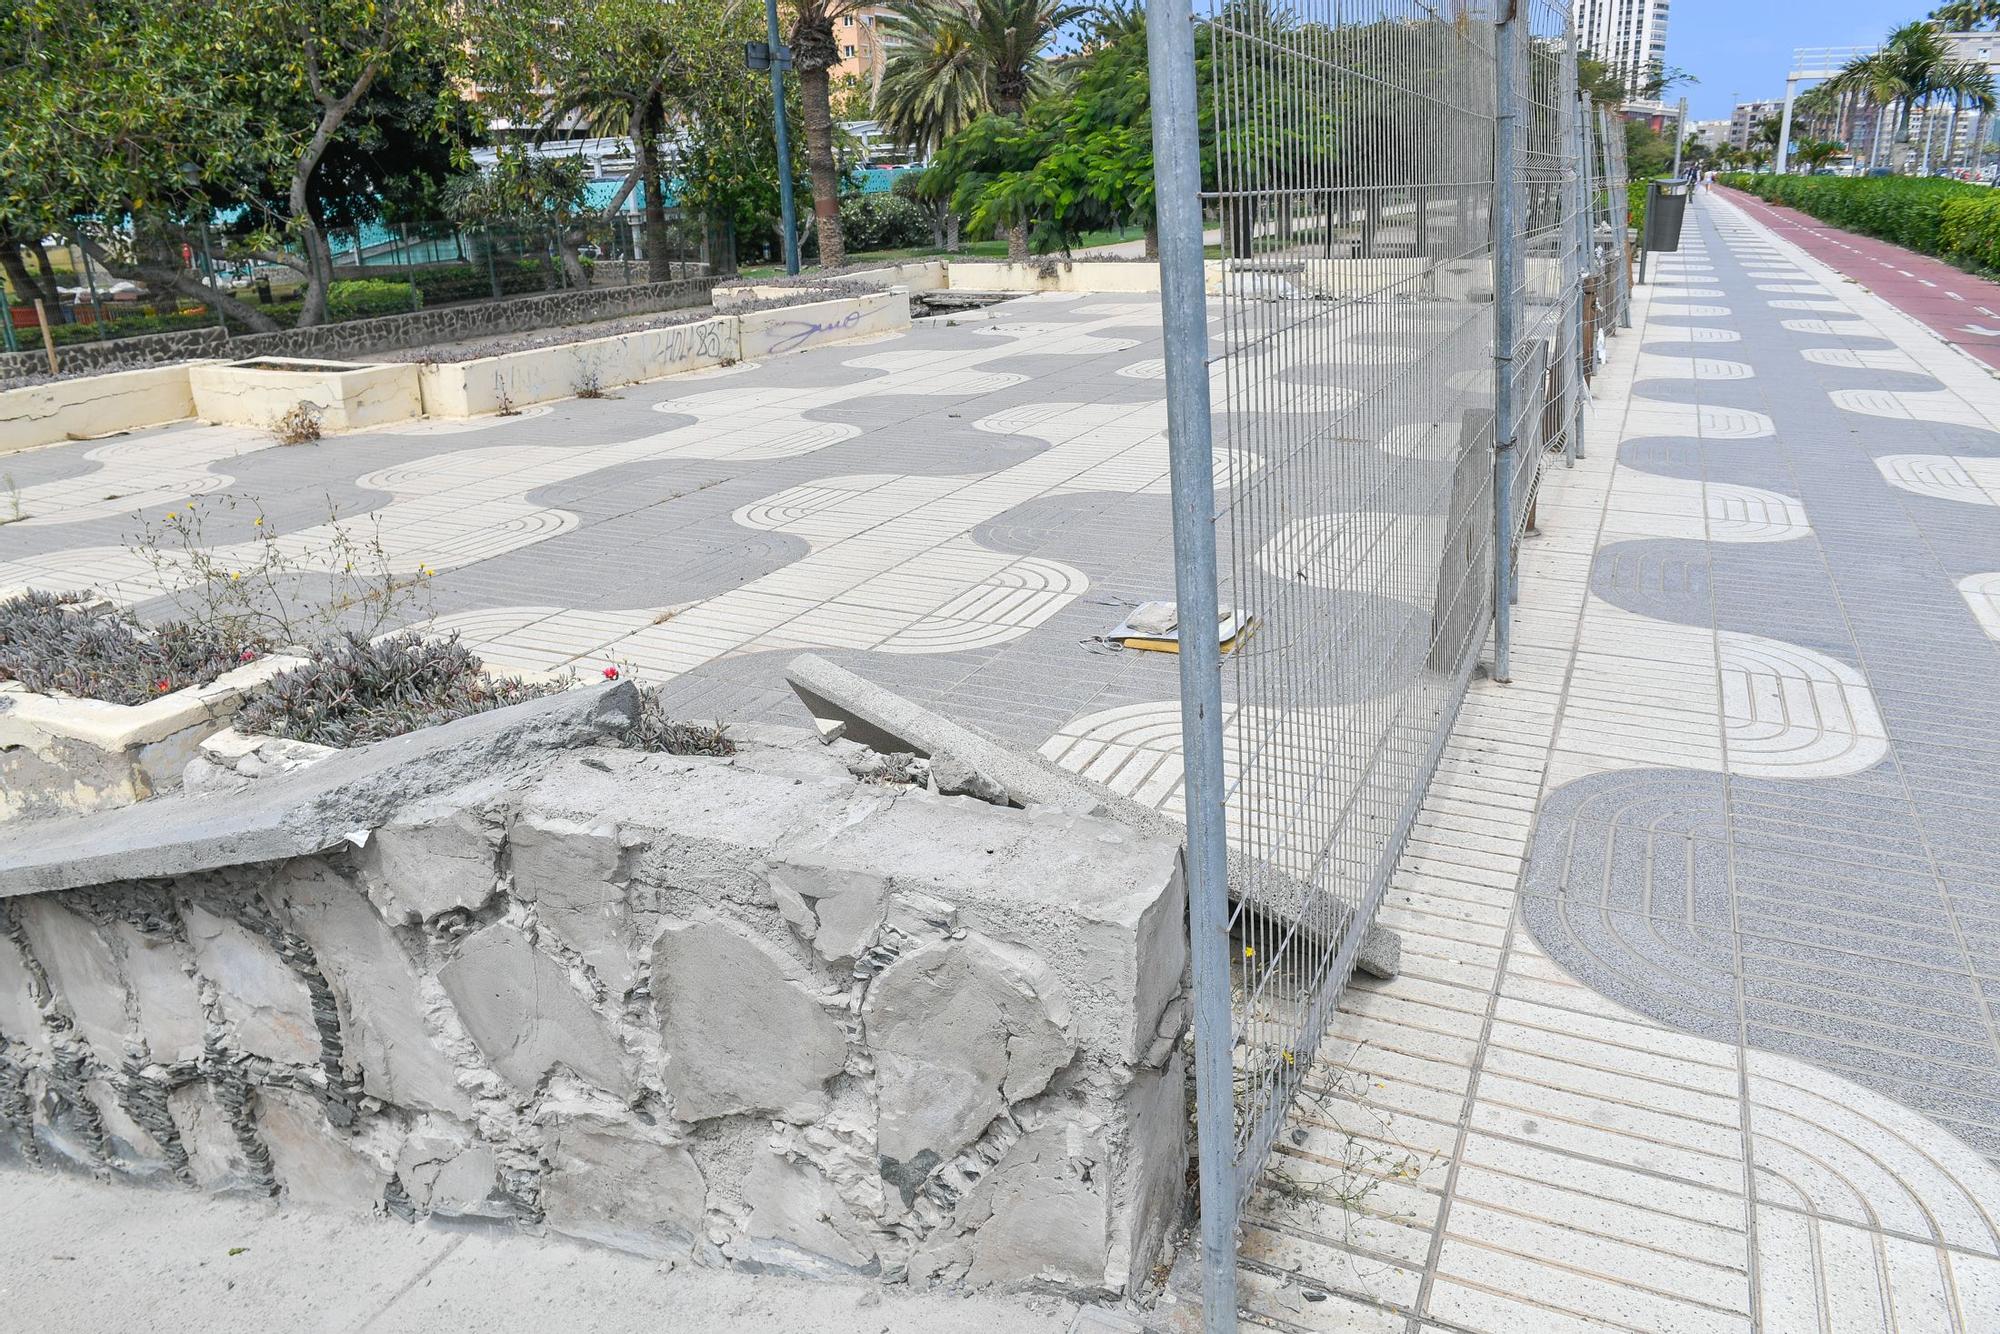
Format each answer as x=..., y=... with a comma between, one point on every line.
x=1363, y=386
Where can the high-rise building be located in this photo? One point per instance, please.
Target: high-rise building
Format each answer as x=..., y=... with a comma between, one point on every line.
x=1628, y=35
x=1749, y=115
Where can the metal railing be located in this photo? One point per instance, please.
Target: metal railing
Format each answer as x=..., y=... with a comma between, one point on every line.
x=1362, y=389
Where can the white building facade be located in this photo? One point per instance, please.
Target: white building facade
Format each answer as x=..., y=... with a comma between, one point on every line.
x=1628, y=35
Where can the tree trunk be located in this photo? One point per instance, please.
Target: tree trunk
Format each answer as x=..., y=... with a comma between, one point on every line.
x=1152, y=240
x=574, y=274
x=51, y=294
x=819, y=159
x=26, y=288
x=319, y=269
x=721, y=247
x=1017, y=243
x=659, y=256
x=169, y=274
x=951, y=223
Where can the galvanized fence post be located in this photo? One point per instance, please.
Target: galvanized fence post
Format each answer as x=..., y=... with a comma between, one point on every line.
x=1585, y=353
x=1177, y=176
x=1509, y=167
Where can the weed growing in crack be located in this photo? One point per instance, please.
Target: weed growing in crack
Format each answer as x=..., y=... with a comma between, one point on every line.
x=280, y=590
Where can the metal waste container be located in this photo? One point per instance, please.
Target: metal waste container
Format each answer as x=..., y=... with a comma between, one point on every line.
x=1666, y=206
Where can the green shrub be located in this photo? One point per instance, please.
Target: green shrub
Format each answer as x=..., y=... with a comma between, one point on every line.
x=1949, y=219
x=883, y=222
x=365, y=298
x=471, y=282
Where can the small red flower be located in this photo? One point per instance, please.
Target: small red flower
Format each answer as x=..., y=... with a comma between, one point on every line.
x=611, y=673
x=247, y=655
x=163, y=685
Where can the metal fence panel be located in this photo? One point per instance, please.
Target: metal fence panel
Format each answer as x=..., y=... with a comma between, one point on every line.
x=1375, y=329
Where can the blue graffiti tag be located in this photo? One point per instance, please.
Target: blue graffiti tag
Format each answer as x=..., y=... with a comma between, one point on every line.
x=807, y=329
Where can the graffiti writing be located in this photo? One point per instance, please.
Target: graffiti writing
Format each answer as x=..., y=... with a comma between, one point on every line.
x=809, y=329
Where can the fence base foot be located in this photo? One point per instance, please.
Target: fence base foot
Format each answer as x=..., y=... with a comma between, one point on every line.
x=1381, y=953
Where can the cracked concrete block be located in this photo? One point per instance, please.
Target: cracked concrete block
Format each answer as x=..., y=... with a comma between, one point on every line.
x=264, y=1000
x=1381, y=953
x=82, y=971
x=215, y=1155
x=170, y=1014
x=431, y=859
x=20, y=1017
x=520, y=1006
x=952, y=776
x=570, y=871
x=1150, y=1173
x=794, y=1203
x=837, y=912
x=1039, y=1216
x=742, y=1030
x=960, y=1029
x=377, y=989
x=451, y=1176
x=315, y=1163
x=628, y=1186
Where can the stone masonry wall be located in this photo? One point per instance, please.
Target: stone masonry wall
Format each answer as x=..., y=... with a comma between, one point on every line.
x=354, y=339
x=751, y=1011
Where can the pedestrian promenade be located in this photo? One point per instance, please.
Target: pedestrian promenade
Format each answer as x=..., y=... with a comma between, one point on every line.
x=1702, y=912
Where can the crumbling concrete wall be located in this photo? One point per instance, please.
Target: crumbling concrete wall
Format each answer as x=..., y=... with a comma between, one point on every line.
x=750, y=1010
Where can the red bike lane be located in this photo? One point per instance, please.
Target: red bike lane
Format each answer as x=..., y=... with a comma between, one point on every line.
x=1959, y=308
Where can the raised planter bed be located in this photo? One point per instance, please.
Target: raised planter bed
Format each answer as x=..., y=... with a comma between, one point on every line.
x=350, y=395
x=62, y=755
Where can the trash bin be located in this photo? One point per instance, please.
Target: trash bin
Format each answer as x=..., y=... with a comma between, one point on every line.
x=1666, y=206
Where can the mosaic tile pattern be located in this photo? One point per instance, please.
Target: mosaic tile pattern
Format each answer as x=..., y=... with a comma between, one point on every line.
x=1490, y=1144
x=1816, y=869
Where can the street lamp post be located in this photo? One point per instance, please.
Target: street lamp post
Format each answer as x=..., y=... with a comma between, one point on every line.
x=772, y=55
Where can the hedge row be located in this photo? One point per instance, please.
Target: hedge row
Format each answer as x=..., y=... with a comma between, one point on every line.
x=350, y=299
x=1949, y=219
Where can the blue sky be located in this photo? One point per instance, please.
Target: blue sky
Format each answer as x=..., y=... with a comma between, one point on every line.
x=1740, y=49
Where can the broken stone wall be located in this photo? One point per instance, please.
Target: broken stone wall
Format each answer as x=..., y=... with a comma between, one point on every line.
x=747, y=1010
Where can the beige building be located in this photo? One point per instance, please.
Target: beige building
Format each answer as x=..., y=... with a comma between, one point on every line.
x=860, y=52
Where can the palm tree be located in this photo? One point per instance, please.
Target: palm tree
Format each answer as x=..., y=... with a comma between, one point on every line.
x=934, y=80
x=814, y=51
x=1909, y=70
x=1966, y=15
x=1812, y=154
x=994, y=51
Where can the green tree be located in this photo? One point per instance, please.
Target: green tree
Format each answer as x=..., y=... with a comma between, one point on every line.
x=613, y=67
x=1079, y=159
x=992, y=59
x=525, y=190
x=1967, y=15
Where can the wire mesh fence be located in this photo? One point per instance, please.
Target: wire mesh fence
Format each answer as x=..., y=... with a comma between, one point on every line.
x=1393, y=341
x=1611, y=226
x=1538, y=265
x=379, y=268
x=1353, y=182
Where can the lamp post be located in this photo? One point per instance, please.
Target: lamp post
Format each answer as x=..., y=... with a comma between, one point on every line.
x=772, y=55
